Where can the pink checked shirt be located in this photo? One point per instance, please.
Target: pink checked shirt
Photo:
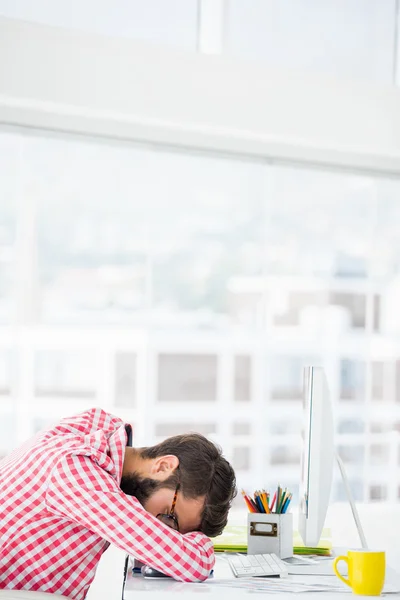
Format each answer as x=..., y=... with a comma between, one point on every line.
x=61, y=506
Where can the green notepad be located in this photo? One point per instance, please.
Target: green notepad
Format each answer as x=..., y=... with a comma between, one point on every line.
x=324, y=547
x=234, y=539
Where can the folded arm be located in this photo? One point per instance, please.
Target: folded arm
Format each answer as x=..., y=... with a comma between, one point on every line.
x=85, y=494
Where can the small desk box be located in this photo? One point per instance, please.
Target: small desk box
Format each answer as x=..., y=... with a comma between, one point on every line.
x=267, y=533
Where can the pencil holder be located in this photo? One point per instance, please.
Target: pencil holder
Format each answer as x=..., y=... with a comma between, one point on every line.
x=267, y=533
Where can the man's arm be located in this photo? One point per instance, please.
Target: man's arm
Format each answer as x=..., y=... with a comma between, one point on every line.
x=82, y=492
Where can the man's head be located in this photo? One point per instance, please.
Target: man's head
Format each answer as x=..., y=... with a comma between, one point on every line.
x=196, y=468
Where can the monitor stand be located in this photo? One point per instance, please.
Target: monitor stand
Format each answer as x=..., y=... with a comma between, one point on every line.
x=350, y=498
x=322, y=565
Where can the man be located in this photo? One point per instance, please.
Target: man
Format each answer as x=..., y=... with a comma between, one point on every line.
x=69, y=493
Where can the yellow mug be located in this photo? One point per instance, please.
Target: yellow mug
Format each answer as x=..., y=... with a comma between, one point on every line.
x=366, y=570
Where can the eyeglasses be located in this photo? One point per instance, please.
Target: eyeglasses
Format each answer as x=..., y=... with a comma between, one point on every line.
x=170, y=519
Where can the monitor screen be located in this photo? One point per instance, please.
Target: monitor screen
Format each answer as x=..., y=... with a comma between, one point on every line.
x=316, y=457
x=306, y=441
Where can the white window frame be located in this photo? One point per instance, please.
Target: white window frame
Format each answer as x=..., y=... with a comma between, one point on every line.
x=56, y=79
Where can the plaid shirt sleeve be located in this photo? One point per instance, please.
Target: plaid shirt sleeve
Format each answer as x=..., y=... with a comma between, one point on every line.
x=87, y=422
x=85, y=494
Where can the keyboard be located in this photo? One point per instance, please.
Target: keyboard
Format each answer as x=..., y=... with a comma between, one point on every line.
x=257, y=565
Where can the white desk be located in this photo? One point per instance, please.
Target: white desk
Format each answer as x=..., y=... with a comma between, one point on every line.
x=139, y=588
x=383, y=533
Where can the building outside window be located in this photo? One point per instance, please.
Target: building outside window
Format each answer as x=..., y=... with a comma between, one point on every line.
x=172, y=289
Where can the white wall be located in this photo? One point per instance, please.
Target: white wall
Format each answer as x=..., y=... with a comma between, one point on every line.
x=72, y=81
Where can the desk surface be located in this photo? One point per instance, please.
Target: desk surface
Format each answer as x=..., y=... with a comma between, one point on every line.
x=381, y=532
x=224, y=583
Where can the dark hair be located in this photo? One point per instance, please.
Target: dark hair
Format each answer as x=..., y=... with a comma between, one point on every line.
x=203, y=471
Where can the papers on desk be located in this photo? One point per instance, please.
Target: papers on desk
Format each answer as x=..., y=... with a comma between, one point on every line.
x=286, y=585
x=275, y=586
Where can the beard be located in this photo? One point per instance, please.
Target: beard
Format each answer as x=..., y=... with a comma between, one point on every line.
x=141, y=488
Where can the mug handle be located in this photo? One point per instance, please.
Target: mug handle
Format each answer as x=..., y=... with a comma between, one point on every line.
x=335, y=562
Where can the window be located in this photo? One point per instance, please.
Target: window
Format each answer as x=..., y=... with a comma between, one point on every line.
x=241, y=458
x=311, y=240
x=173, y=23
x=378, y=492
x=65, y=374
x=42, y=423
x=345, y=38
x=378, y=380
x=119, y=244
x=8, y=425
x=355, y=305
x=187, y=378
x=380, y=427
x=354, y=425
x=352, y=376
x=352, y=455
x=380, y=454
x=125, y=379
x=7, y=373
x=286, y=426
x=9, y=161
x=230, y=276
x=357, y=490
x=287, y=374
x=296, y=304
x=284, y=455
x=397, y=382
x=240, y=428
x=242, y=391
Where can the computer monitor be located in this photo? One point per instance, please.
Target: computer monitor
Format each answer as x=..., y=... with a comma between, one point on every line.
x=317, y=456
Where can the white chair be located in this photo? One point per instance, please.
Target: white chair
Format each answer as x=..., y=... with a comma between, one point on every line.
x=28, y=595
